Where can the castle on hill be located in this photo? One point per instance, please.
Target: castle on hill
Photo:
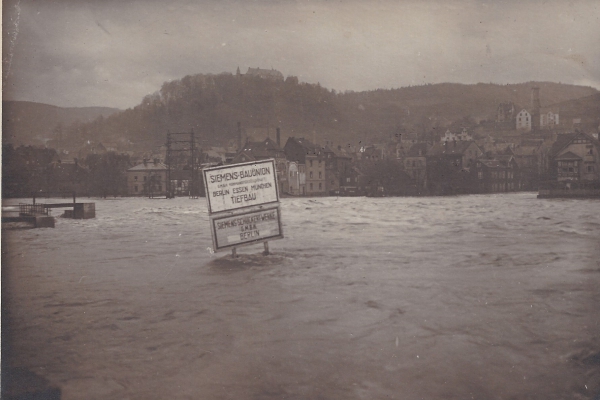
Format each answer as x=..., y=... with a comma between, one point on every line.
x=269, y=74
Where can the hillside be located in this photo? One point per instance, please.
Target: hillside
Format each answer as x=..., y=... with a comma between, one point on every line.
x=25, y=122
x=425, y=107
x=582, y=113
x=212, y=105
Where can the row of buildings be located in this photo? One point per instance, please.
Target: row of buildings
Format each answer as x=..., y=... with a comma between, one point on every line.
x=456, y=164
x=526, y=119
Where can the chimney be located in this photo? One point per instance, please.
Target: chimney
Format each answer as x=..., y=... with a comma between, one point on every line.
x=239, y=126
x=145, y=162
x=535, y=99
x=278, y=137
x=155, y=161
x=535, y=107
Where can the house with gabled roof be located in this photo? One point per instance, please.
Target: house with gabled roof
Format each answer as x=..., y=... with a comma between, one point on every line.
x=499, y=174
x=523, y=120
x=415, y=164
x=575, y=157
x=461, y=153
x=148, y=178
x=315, y=160
x=530, y=157
x=267, y=149
x=448, y=166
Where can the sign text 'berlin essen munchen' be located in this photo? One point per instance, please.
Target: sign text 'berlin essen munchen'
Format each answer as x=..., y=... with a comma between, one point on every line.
x=236, y=186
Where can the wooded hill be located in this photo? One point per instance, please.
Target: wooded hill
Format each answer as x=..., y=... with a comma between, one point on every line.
x=29, y=123
x=212, y=105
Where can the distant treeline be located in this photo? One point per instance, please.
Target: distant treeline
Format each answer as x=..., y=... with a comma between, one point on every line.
x=28, y=170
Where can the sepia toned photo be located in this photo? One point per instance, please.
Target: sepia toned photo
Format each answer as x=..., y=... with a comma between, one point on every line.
x=298, y=199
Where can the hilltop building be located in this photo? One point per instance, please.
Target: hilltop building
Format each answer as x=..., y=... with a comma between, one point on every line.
x=534, y=118
x=269, y=74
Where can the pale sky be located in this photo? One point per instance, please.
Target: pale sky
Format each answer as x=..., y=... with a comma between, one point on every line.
x=74, y=53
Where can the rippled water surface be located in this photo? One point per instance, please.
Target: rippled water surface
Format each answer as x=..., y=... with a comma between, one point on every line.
x=485, y=297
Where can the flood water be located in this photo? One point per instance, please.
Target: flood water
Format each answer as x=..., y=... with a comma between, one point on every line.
x=469, y=297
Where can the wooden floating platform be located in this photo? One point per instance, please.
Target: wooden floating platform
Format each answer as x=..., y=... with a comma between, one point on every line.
x=79, y=211
x=568, y=194
x=38, y=215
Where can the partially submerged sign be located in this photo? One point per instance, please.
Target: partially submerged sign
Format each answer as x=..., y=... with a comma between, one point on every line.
x=247, y=228
x=243, y=204
x=237, y=186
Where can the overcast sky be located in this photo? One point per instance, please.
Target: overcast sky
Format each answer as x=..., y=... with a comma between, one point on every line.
x=112, y=53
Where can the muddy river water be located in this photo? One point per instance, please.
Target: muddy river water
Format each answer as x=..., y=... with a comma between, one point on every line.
x=470, y=297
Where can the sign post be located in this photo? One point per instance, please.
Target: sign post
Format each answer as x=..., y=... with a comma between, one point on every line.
x=243, y=204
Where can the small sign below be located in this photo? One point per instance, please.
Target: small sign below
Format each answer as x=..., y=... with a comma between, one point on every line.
x=232, y=187
x=247, y=228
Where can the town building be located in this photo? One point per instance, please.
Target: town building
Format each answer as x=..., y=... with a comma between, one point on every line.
x=372, y=153
x=463, y=135
x=267, y=149
x=415, y=164
x=147, y=179
x=296, y=179
x=181, y=181
x=342, y=170
x=531, y=156
x=575, y=157
x=549, y=119
x=461, y=153
x=523, y=120
x=448, y=165
x=312, y=157
x=506, y=112
x=499, y=174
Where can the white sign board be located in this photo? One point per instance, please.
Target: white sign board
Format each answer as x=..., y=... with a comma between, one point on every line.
x=247, y=228
x=231, y=187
